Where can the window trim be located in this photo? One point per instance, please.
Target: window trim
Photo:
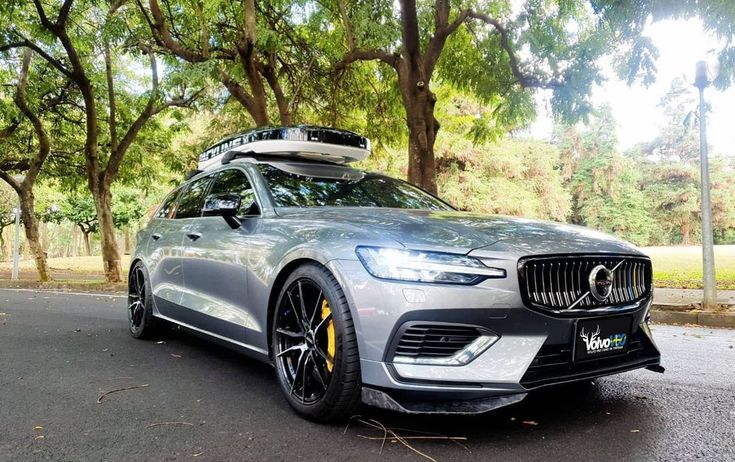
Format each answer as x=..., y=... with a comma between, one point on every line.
x=258, y=202
x=184, y=187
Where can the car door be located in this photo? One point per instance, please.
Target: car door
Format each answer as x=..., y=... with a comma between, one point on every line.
x=163, y=249
x=168, y=286
x=215, y=260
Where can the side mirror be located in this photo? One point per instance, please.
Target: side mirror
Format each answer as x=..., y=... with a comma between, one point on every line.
x=223, y=205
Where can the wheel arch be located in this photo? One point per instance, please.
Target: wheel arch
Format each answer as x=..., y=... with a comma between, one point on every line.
x=275, y=291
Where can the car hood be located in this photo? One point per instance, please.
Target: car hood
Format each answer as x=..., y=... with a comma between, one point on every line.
x=463, y=232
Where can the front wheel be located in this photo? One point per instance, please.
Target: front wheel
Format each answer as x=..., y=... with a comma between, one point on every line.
x=315, y=346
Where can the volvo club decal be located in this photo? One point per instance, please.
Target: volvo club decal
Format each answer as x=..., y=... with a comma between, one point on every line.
x=596, y=345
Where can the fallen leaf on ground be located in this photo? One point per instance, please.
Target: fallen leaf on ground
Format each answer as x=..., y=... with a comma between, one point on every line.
x=175, y=355
x=532, y=423
x=635, y=431
x=160, y=342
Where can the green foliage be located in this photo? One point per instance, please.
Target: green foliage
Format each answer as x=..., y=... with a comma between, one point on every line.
x=603, y=183
x=128, y=206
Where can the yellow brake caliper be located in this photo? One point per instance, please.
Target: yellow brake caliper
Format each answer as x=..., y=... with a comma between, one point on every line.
x=331, y=337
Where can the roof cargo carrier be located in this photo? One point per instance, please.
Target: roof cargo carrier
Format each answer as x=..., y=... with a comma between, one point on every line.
x=305, y=141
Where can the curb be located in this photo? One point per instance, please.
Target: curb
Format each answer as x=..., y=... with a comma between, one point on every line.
x=724, y=319
x=65, y=285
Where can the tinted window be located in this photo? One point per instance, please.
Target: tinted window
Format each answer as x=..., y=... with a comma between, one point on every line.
x=236, y=182
x=164, y=211
x=366, y=190
x=192, y=200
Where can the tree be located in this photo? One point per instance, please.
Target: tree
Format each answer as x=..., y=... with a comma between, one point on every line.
x=86, y=43
x=491, y=51
x=670, y=167
x=249, y=47
x=604, y=184
x=7, y=217
x=31, y=167
x=80, y=210
x=128, y=206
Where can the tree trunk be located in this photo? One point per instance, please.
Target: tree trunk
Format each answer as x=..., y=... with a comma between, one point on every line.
x=685, y=233
x=85, y=237
x=108, y=243
x=3, y=252
x=30, y=223
x=422, y=129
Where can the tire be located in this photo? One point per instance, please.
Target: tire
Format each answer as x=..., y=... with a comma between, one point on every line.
x=141, y=323
x=314, y=346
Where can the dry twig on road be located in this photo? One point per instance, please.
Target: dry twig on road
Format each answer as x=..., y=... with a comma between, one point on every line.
x=390, y=434
x=107, y=393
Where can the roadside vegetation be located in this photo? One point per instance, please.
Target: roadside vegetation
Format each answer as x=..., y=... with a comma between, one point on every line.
x=681, y=267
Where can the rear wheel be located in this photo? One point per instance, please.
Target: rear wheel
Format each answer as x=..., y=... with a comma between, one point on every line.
x=142, y=324
x=315, y=347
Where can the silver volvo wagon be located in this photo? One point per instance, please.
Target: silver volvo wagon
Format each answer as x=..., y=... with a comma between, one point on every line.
x=359, y=287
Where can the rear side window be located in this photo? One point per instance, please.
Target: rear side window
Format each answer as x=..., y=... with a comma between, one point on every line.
x=167, y=207
x=235, y=181
x=192, y=199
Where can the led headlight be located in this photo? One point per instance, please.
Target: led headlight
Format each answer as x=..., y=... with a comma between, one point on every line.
x=417, y=266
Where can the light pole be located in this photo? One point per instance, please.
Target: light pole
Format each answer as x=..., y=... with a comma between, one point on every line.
x=709, y=302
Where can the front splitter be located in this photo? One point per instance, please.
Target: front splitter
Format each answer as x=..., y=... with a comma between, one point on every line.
x=377, y=398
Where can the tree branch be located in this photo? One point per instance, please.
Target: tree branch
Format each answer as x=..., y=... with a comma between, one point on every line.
x=42, y=15
x=351, y=45
x=368, y=55
x=25, y=43
x=268, y=71
x=9, y=130
x=64, y=13
x=44, y=144
x=526, y=81
x=181, y=101
x=117, y=155
x=442, y=30
x=111, y=97
x=8, y=178
x=162, y=35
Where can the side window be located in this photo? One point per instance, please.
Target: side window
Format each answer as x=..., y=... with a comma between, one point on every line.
x=234, y=181
x=192, y=199
x=167, y=206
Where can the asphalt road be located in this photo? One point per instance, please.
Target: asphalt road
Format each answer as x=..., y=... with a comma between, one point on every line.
x=60, y=352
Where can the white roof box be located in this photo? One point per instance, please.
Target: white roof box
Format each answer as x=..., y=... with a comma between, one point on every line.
x=306, y=141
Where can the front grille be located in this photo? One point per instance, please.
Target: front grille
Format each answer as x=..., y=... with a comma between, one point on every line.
x=435, y=340
x=558, y=283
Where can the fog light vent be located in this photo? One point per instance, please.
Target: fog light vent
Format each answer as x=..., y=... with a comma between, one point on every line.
x=448, y=344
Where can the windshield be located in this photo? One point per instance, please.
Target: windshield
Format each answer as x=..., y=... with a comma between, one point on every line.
x=343, y=186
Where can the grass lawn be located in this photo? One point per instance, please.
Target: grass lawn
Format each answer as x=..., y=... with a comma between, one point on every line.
x=681, y=267
x=80, y=269
x=675, y=267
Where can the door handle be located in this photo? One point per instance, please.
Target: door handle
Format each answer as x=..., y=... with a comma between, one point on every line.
x=155, y=236
x=193, y=236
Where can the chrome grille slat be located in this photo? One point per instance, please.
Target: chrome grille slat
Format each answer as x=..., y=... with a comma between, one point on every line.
x=556, y=283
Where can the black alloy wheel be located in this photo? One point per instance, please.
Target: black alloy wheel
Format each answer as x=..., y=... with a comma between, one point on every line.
x=314, y=346
x=140, y=307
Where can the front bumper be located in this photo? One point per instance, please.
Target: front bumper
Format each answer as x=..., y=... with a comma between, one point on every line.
x=534, y=349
